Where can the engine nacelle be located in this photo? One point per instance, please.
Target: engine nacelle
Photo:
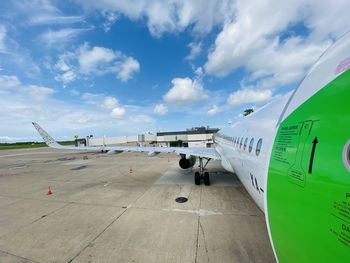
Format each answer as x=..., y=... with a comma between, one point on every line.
x=185, y=163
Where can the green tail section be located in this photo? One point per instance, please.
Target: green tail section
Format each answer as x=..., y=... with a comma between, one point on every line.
x=308, y=192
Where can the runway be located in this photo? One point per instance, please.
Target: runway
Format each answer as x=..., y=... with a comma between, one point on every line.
x=121, y=208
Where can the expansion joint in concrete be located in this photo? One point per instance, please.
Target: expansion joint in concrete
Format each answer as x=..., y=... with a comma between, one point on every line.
x=96, y=237
x=26, y=259
x=197, y=240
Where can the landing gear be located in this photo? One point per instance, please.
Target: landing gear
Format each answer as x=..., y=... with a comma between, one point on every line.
x=197, y=178
x=206, y=178
x=201, y=174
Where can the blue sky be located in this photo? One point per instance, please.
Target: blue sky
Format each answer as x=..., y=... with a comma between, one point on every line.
x=127, y=67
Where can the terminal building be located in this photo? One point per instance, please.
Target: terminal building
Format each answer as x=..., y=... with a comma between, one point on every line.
x=194, y=137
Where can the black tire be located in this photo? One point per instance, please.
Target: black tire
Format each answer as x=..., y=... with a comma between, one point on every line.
x=206, y=178
x=197, y=178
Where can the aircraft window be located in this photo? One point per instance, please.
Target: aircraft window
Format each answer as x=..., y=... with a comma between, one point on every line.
x=258, y=147
x=251, y=145
x=245, y=143
x=240, y=144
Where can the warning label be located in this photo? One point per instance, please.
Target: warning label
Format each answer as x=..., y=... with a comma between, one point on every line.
x=341, y=229
x=287, y=139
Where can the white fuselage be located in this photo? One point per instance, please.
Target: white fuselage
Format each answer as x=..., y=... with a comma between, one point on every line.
x=250, y=165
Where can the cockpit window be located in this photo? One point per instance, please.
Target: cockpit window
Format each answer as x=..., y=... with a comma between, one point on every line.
x=245, y=143
x=258, y=147
x=251, y=145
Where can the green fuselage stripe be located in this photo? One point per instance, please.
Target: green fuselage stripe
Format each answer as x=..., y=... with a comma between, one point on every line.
x=308, y=189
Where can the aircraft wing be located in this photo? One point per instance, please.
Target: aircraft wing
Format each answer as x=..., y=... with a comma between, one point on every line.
x=199, y=152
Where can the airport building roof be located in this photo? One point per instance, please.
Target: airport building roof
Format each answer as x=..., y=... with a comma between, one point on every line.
x=194, y=130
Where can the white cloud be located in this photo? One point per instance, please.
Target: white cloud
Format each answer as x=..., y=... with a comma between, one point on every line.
x=100, y=100
x=284, y=63
x=90, y=61
x=196, y=49
x=14, y=85
x=2, y=38
x=327, y=18
x=185, y=90
x=169, y=15
x=38, y=92
x=7, y=81
x=49, y=19
x=30, y=92
x=214, y=110
x=244, y=96
x=57, y=38
x=198, y=72
x=41, y=12
x=128, y=67
x=83, y=119
x=62, y=65
x=91, y=58
x=160, y=109
x=94, y=99
x=111, y=18
x=13, y=55
x=109, y=102
x=261, y=39
x=249, y=34
x=67, y=73
x=35, y=7
x=118, y=112
x=22, y=103
x=141, y=119
x=66, y=77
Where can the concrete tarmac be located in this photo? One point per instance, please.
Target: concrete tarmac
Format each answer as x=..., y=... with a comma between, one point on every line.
x=121, y=208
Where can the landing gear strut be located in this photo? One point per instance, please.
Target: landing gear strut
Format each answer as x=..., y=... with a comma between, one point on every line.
x=201, y=174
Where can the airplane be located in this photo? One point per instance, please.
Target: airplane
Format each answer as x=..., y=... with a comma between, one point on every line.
x=293, y=158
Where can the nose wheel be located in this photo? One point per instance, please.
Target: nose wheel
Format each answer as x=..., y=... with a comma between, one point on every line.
x=198, y=176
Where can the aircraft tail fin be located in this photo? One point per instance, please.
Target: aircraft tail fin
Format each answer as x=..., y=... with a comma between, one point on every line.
x=46, y=137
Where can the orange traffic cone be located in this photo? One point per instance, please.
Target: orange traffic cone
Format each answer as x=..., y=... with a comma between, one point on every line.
x=49, y=192
x=130, y=169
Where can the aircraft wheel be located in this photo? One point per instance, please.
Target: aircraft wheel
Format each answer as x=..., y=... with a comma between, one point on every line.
x=206, y=178
x=197, y=178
